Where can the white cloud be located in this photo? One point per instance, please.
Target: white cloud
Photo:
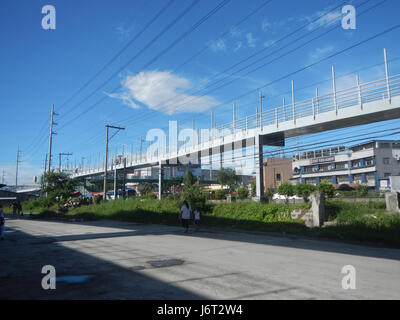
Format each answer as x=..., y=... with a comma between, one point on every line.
x=123, y=32
x=326, y=19
x=235, y=32
x=268, y=43
x=162, y=91
x=218, y=45
x=318, y=53
x=265, y=25
x=251, y=41
x=238, y=46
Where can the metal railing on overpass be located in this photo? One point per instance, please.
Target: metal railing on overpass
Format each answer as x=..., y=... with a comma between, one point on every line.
x=382, y=89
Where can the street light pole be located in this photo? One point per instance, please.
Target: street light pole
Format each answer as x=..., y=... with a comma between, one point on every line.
x=106, y=159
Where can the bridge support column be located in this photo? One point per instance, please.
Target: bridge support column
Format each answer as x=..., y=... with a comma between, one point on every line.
x=259, y=167
x=160, y=179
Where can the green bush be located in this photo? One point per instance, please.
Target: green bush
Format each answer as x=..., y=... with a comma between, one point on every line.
x=150, y=196
x=253, y=188
x=286, y=189
x=362, y=190
x=195, y=198
x=38, y=204
x=304, y=190
x=326, y=188
x=97, y=199
x=242, y=193
x=219, y=194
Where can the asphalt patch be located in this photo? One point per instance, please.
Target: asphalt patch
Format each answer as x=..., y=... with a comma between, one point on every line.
x=165, y=263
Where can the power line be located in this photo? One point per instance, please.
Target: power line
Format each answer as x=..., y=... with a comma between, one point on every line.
x=41, y=131
x=151, y=42
x=279, y=57
x=124, y=48
x=246, y=59
x=263, y=49
x=174, y=43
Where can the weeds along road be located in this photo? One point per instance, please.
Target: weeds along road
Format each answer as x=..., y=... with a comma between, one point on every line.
x=116, y=260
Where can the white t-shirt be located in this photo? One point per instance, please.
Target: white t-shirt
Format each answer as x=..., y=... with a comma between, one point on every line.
x=185, y=212
x=196, y=215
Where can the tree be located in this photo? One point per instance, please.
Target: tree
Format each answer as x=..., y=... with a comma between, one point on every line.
x=189, y=179
x=227, y=176
x=219, y=194
x=243, y=193
x=59, y=185
x=286, y=189
x=304, y=190
x=195, y=198
x=253, y=188
x=326, y=188
x=174, y=184
x=146, y=188
x=269, y=194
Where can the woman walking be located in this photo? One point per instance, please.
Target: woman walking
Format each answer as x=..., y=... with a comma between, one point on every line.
x=185, y=215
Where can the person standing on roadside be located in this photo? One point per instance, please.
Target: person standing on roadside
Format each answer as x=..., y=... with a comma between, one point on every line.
x=185, y=215
x=196, y=219
x=19, y=209
x=2, y=223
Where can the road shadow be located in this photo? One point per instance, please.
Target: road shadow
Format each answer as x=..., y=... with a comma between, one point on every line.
x=80, y=275
x=232, y=234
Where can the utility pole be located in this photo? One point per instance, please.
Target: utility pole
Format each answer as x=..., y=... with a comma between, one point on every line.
x=45, y=164
x=261, y=109
x=52, y=123
x=16, y=169
x=2, y=177
x=59, y=159
x=106, y=158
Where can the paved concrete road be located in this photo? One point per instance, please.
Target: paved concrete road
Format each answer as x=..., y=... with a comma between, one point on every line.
x=133, y=261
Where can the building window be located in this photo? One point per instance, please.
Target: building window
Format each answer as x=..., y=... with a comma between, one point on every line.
x=384, y=145
x=311, y=181
x=387, y=174
x=308, y=169
x=356, y=163
x=386, y=160
x=369, y=161
x=278, y=177
x=357, y=178
x=324, y=167
x=341, y=165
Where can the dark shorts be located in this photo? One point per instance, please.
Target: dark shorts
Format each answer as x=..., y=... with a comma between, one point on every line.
x=196, y=222
x=185, y=223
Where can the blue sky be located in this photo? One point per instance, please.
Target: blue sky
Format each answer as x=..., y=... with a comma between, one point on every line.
x=44, y=67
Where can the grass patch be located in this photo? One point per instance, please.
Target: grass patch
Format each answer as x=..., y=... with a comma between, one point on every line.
x=354, y=221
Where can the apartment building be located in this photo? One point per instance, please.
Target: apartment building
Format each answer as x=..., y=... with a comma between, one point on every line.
x=371, y=163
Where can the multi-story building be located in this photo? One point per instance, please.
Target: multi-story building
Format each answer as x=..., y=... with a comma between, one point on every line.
x=370, y=163
x=276, y=171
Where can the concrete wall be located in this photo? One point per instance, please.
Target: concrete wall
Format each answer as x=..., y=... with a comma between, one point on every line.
x=392, y=202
